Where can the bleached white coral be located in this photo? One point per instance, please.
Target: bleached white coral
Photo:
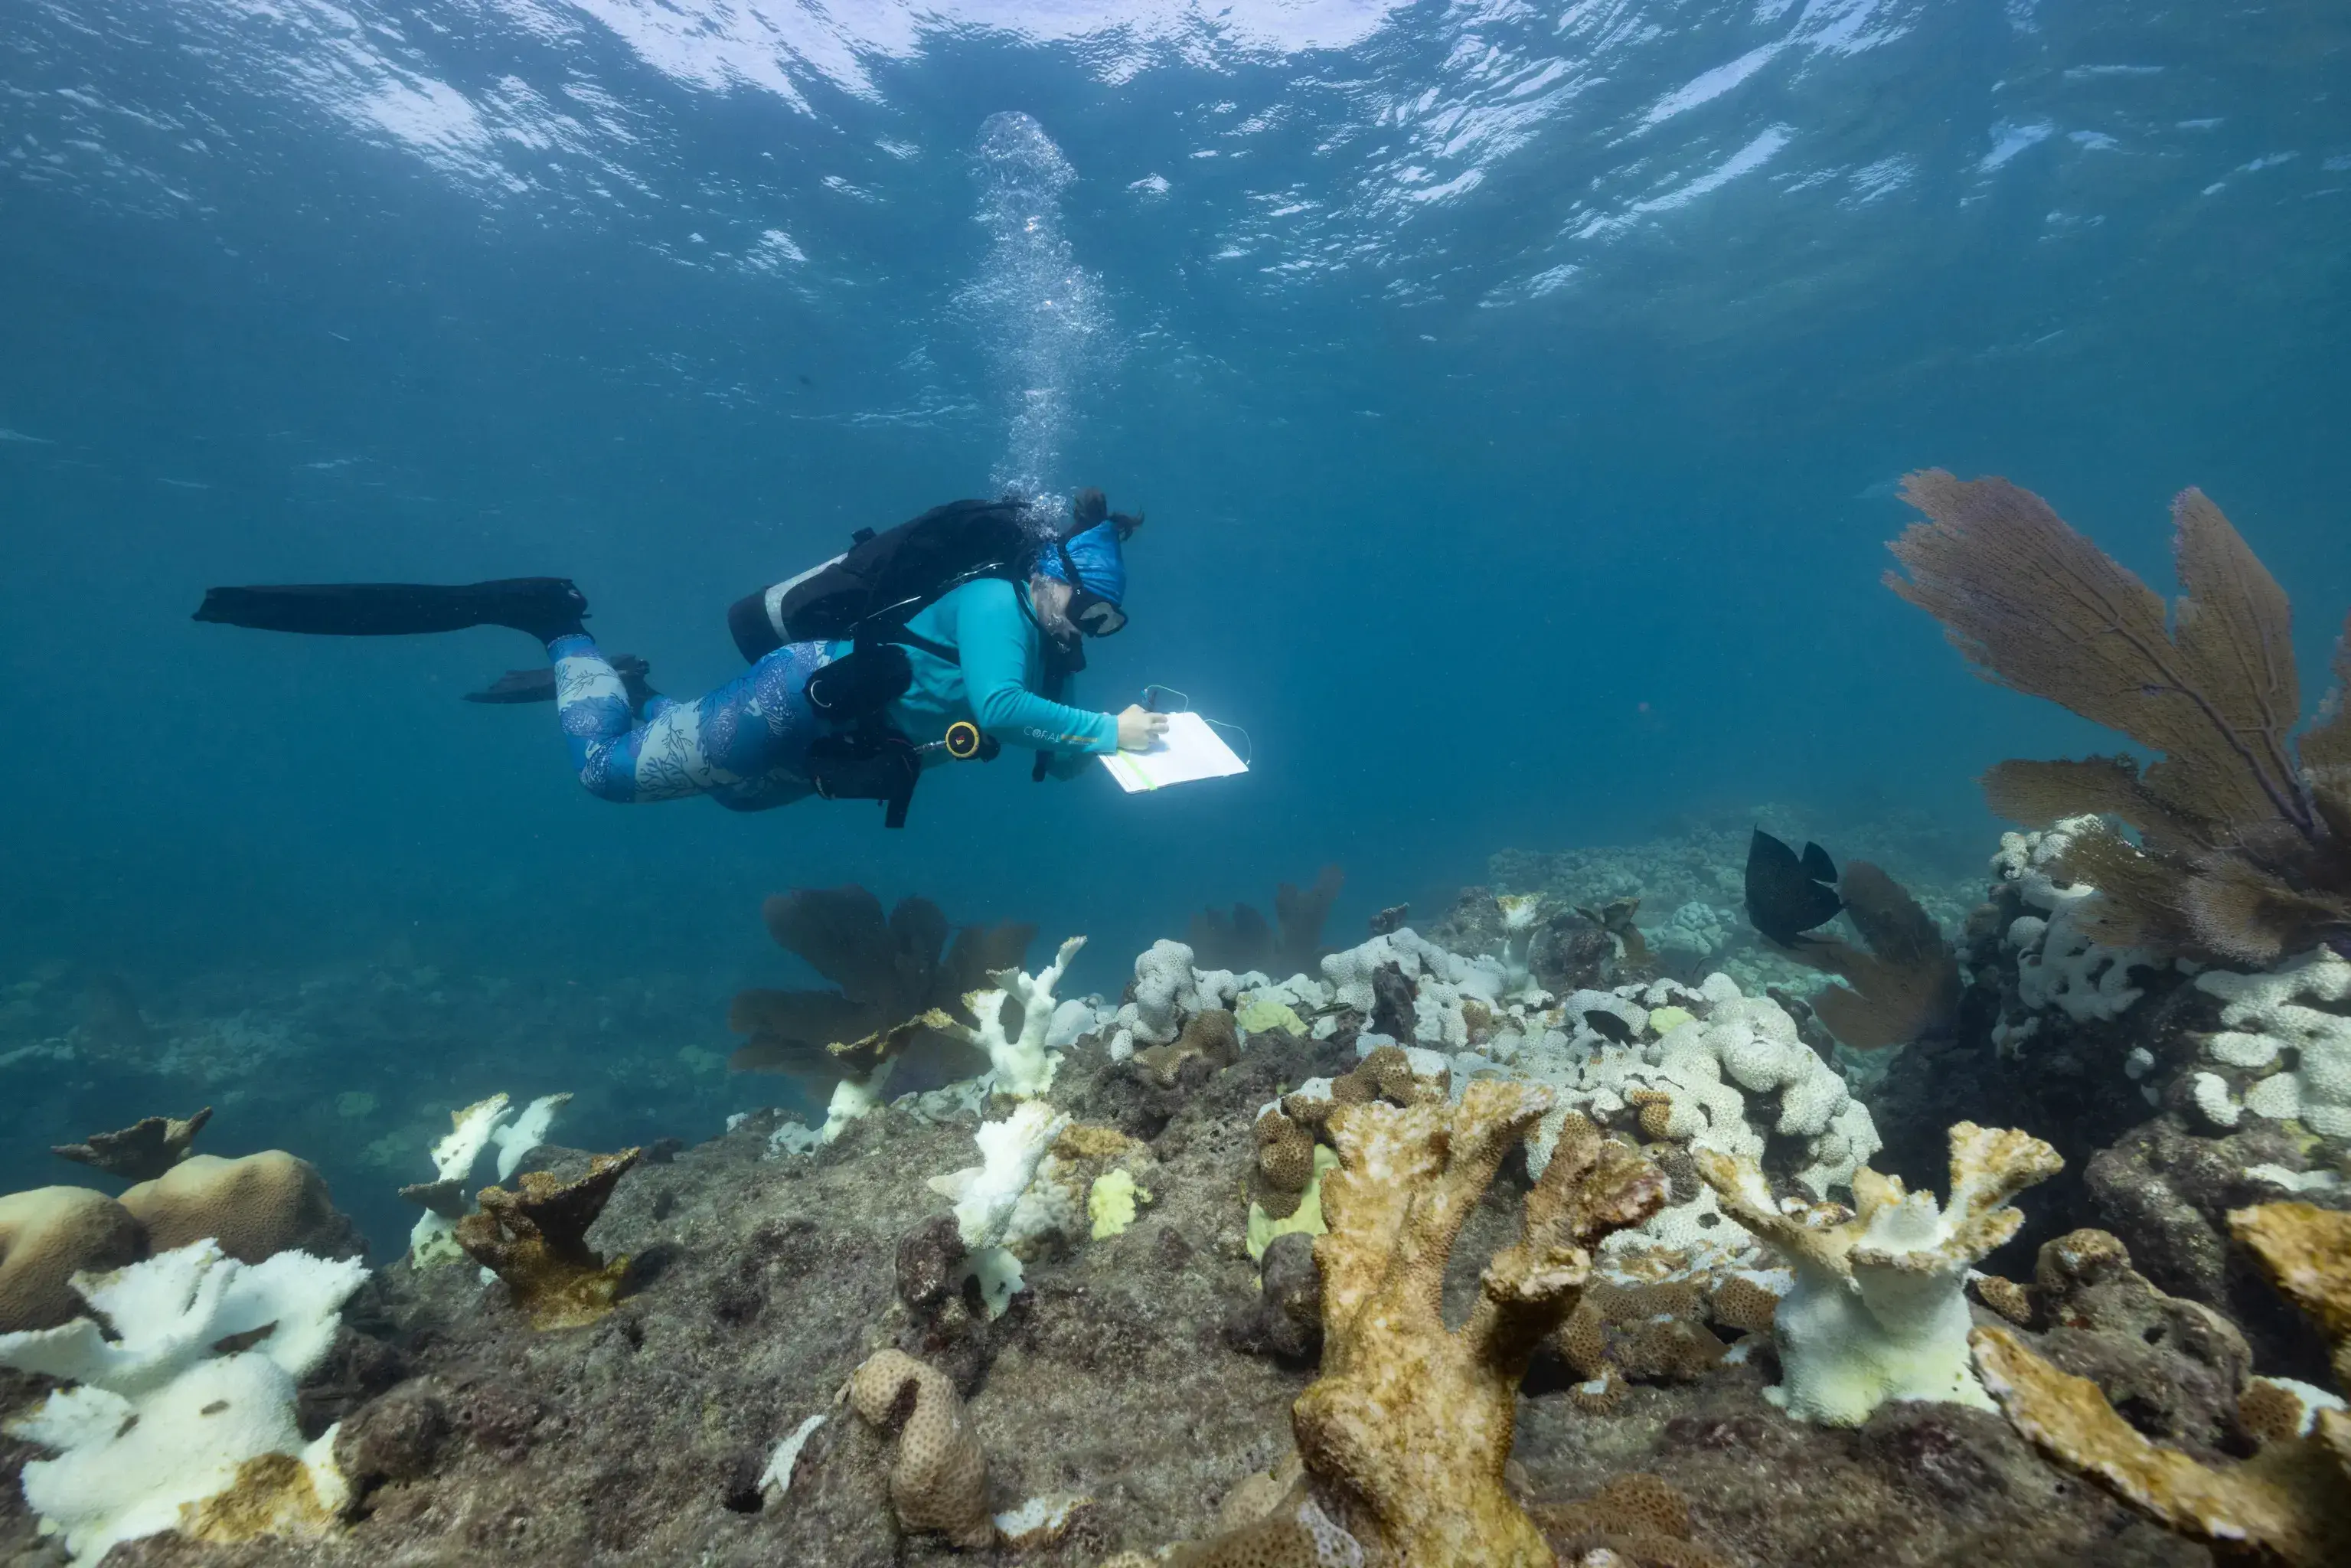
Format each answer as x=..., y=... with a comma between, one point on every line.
x=1694, y=931
x=987, y=1196
x=1442, y=982
x=1024, y=1064
x=2298, y=1018
x=1752, y=1043
x=159, y=1421
x=526, y=1132
x=2057, y=964
x=1165, y=994
x=433, y=1238
x=1521, y=913
x=1879, y=1309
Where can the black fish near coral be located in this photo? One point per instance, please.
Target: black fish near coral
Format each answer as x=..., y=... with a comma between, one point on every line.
x=1608, y=1026
x=1786, y=896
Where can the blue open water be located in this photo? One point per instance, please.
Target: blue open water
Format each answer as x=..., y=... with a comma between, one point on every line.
x=1516, y=392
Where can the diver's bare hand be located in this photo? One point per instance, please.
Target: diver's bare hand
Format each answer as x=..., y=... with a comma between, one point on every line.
x=1139, y=729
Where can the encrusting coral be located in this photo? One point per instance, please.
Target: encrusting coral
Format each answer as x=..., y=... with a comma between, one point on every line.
x=1879, y=1309
x=1637, y=1520
x=166, y=1426
x=141, y=1152
x=536, y=1240
x=2245, y=831
x=1410, y=1424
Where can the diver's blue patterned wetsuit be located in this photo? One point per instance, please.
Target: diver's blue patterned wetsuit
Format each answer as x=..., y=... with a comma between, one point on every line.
x=745, y=745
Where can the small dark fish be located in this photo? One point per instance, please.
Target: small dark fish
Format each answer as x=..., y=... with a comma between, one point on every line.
x=1609, y=1026
x=1390, y=919
x=1786, y=896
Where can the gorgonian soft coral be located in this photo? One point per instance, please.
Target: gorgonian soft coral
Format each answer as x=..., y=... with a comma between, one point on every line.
x=2245, y=829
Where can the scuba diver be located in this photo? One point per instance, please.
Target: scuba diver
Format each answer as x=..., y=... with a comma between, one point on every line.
x=945, y=638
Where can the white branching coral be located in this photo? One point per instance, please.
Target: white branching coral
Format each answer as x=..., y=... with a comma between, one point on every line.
x=2294, y=1027
x=1022, y=1064
x=161, y=1430
x=987, y=1196
x=433, y=1240
x=1879, y=1311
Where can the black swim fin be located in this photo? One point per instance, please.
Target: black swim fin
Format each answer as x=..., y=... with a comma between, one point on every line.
x=546, y=607
x=537, y=686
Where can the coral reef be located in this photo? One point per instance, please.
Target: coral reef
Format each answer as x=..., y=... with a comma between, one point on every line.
x=1879, y=1311
x=141, y=1152
x=535, y=1241
x=2245, y=848
x=166, y=1426
x=1152, y=1356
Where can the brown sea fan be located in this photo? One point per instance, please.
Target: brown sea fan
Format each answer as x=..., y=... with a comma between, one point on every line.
x=2246, y=832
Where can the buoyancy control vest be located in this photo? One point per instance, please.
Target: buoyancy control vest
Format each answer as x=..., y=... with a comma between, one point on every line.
x=865, y=596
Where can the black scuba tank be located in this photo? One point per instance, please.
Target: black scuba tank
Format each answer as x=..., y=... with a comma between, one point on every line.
x=883, y=579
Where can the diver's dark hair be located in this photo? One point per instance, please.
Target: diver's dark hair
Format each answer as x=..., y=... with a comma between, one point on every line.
x=1090, y=506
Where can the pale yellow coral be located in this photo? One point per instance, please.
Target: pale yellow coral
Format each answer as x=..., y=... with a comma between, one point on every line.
x=256, y=1208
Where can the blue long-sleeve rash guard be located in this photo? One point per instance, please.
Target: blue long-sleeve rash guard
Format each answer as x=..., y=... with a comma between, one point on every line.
x=1001, y=651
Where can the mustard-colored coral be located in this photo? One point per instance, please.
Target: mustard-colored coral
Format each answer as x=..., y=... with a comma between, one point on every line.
x=1409, y=1427
x=537, y=1241
x=939, y=1480
x=2292, y=1500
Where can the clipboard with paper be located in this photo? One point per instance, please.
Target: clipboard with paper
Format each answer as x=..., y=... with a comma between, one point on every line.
x=1190, y=750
